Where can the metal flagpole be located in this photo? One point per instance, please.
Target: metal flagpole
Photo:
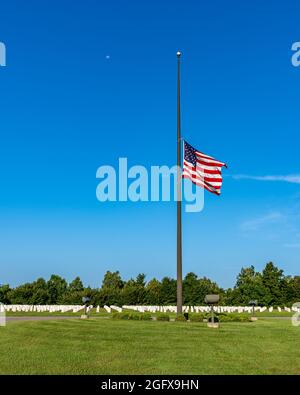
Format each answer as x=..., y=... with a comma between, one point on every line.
x=179, y=235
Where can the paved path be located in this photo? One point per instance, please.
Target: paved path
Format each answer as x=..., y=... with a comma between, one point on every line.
x=277, y=318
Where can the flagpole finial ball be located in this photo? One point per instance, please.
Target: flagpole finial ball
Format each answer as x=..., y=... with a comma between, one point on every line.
x=178, y=54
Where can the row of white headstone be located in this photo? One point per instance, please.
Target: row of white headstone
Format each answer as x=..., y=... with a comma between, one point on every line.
x=203, y=309
x=141, y=309
x=42, y=308
x=52, y=308
x=110, y=308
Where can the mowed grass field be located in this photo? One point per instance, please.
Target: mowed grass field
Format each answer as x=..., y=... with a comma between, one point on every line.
x=106, y=346
x=104, y=313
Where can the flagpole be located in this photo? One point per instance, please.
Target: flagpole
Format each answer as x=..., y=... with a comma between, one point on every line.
x=179, y=230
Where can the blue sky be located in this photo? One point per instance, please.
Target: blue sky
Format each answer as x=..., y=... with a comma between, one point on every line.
x=87, y=82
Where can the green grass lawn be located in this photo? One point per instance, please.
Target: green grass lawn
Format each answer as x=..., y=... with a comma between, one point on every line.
x=92, y=312
x=103, y=312
x=274, y=313
x=104, y=346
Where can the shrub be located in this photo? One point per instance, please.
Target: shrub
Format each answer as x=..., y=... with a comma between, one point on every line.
x=233, y=317
x=180, y=317
x=244, y=317
x=134, y=316
x=131, y=316
x=146, y=317
x=163, y=317
x=124, y=316
x=197, y=317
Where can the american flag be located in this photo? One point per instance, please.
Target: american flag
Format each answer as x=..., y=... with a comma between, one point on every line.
x=202, y=170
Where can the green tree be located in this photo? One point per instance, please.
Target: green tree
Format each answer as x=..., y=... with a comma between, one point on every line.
x=275, y=285
x=191, y=290
x=93, y=294
x=153, y=293
x=112, y=280
x=249, y=286
x=270, y=287
x=206, y=287
x=74, y=292
x=40, y=293
x=168, y=291
x=293, y=290
x=111, y=290
x=57, y=288
x=21, y=294
x=4, y=291
x=30, y=293
x=133, y=292
x=141, y=279
x=76, y=285
x=129, y=293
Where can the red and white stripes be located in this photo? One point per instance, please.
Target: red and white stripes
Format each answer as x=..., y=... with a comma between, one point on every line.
x=202, y=170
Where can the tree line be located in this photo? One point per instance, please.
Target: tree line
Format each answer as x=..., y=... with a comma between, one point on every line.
x=269, y=287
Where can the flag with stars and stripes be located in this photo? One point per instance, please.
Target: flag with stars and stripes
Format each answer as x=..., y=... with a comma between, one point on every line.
x=203, y=170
